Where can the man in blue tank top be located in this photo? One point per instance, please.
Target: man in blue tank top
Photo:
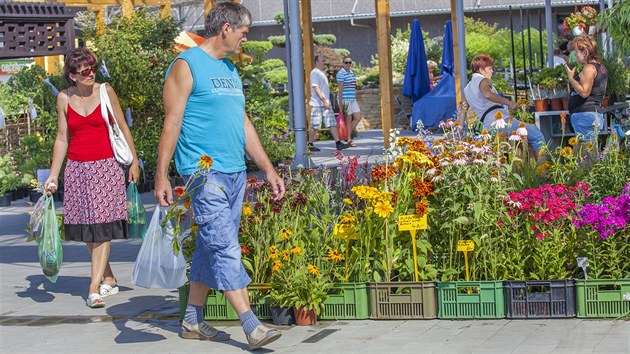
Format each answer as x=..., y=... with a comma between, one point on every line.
x=205, y=115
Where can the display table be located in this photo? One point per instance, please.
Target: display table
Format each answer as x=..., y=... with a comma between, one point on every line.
x=551, y=126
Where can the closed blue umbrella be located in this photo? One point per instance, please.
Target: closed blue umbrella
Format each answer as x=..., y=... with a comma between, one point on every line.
x=416, y=82
x=448, y=58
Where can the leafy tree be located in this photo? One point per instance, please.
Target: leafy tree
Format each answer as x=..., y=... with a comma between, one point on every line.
x=137, y=52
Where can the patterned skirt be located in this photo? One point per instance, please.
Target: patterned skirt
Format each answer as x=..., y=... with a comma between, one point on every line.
x=94, y=201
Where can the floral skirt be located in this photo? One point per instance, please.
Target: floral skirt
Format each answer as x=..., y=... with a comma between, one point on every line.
x=94, y=203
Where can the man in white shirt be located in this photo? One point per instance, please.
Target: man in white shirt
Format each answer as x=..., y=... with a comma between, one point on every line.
x=321, y=111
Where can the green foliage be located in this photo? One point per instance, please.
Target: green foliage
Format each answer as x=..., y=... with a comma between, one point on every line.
x=618, y=77
x=342, y=52
x=28, y=83
x=265, y=108
x=137, y=52
x=279, y=19
x=257, y=49
x=277, y=77
x=616, y=21
x=10, y=177
x=324, y=39
x=278, y=41
x=34, y=153
x=609, y=174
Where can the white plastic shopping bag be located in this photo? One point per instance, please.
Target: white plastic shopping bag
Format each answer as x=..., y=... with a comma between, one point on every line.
x=157, y=265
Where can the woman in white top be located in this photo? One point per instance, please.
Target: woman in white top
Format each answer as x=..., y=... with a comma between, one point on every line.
x=484, y=100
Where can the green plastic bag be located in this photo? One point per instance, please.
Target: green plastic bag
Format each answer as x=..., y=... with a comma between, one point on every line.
x=48, y=241
x=136, y=216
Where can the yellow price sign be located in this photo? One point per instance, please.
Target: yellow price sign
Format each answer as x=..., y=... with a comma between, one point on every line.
x=412, y=222
x=465, y=245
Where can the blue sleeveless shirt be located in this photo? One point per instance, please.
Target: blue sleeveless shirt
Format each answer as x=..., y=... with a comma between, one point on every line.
x=214, y=119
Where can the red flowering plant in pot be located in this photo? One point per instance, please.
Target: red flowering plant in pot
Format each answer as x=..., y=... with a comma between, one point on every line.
x=575, y=23
x=542, y=217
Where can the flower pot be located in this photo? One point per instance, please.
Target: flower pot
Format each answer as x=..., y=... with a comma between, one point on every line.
x=540, y=105
x=577, y=31
x=304, y=316
x=605, y=101
x=282, y=316
x=58, y=196
x=5, y=199
x=556, y=104
x=34, y=196
x=565, y=104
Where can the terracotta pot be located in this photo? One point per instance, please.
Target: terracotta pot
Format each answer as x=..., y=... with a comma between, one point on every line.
x=556, y=104
x=304, y=316
x=565, y=104
x=540, y=105
x=605, y=101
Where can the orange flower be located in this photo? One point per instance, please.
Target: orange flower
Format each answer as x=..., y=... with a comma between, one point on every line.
x=422, y=188
x=421, y=208
x=244, y=249
x=205, y=162
x=187, y=203
x=563, y=119
x=383, y=172
x=179, y=191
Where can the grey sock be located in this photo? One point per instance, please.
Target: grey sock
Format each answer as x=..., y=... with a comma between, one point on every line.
x=249, y=321
x=194, y=314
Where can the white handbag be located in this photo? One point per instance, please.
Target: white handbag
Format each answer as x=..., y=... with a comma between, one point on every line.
x=121, y=149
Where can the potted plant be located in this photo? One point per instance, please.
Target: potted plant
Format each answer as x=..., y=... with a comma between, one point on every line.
x=618, y=77
x=590, y=16
x=296, y=283
x=10, y=179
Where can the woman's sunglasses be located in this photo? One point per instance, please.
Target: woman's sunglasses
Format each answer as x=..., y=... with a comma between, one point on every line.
x=87, y=71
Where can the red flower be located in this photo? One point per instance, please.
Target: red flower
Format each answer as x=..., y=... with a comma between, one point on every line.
x=179, y=191
x=244, y=249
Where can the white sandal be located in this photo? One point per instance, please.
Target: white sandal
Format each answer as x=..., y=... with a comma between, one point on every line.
x=107, y=290
x=94, y=300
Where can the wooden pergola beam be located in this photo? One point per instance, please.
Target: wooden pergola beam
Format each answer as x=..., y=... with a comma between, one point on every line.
x=458, y=72
x=384, y=44
x=307, y=47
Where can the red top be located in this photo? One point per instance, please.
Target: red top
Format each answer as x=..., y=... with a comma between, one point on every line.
x=89, y=138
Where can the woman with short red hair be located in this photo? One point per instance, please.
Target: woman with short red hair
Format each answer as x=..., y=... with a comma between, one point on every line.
x=484, y=100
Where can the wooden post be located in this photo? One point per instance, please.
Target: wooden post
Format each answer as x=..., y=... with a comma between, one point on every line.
x=307, y=58
x=458, y=70
x=101, y=20
x=128, y=8
x=166, y=10
x=384, y=44
x=207, y=6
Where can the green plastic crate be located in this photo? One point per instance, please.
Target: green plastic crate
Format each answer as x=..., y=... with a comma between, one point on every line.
x=470, y=299
x=218, y=308
x=402, y=300
x=346, y=301
x=603, y=298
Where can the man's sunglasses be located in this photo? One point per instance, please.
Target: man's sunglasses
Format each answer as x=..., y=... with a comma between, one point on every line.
x=87, y=71
x=347, y=62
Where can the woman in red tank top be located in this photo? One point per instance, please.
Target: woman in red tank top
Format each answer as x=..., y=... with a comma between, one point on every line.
x=95, y=208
